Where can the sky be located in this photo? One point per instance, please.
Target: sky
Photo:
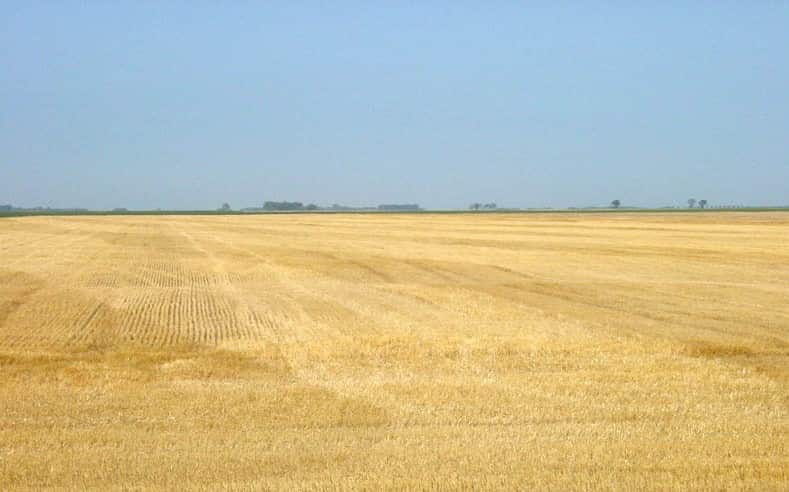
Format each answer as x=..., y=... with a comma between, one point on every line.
x=186, y=105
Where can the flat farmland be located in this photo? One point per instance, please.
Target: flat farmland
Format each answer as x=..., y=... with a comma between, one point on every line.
x=484, y=351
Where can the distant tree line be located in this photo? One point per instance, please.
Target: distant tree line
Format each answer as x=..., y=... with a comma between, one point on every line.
x=285, y=206
x=11, y=208
x=486, y=206
x=398, y=206
x=337, y=206
x=288, y=206
x=701, y=203
x=692, y=202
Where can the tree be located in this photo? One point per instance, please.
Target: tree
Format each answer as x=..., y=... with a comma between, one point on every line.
x=616, y=204
x=702, y=203
x=225, y=207
x=283, y=205
x=312, y=206
x=490, y=205
x=475, y=206
x=691, y=202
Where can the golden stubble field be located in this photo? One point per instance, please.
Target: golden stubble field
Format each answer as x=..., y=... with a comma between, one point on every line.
x=499, y=351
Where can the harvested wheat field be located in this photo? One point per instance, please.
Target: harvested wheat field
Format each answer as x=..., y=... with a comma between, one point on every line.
x=485, y=351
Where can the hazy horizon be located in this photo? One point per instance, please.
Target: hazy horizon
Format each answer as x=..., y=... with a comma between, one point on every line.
x=188, y=105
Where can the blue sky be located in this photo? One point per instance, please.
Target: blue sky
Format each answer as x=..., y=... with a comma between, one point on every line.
x=527, y=104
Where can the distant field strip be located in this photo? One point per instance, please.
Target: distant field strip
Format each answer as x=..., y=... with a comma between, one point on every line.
x=646, y=351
